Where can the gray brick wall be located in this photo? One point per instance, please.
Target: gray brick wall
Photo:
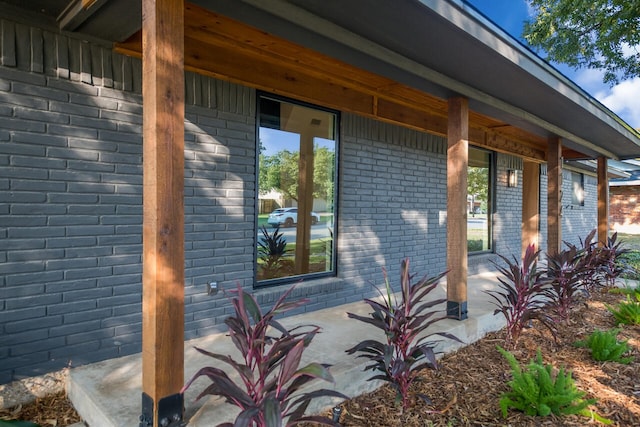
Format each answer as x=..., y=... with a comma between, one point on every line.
x=70, y=222
x=392, y=201
x=71, y=205
x=578, y=221
x=544, y=203
x=508, y=215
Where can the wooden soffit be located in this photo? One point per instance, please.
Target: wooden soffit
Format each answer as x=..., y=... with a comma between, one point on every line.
x=226, y=49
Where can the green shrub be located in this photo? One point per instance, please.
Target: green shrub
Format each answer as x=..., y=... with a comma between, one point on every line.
x=17, y=423
x=535, y=391
x=630, y=261
x=627, y=312
x=605, y=346
x=627, y=290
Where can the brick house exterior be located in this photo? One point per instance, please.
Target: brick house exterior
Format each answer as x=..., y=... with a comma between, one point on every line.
x=71, y=203
x=624, y=206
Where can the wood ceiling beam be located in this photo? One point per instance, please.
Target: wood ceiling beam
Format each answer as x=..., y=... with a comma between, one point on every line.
x=229, y=50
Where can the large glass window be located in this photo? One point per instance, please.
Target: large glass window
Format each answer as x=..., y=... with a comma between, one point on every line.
x=296, y=190
x=479, y=201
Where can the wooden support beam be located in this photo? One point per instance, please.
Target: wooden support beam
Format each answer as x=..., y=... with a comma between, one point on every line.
x=554, y=195
x=603, y=200
x=457, y=163
x=163, y=211
x=530, y=205
x=305, y=203
x=221, y=47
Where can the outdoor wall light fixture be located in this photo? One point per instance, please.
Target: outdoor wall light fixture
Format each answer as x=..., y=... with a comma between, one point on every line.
x=512, y=178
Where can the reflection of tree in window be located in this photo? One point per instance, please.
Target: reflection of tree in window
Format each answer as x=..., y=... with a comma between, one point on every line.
x=479, y=198
x=296, y=165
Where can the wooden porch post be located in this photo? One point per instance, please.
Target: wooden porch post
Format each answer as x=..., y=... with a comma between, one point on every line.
x=163, y=212
x=554, y=195
x=603, y=200
x=457, y=162
x=530, y=204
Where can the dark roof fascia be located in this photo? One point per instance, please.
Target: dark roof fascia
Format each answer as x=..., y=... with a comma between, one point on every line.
x=578, y=94
x=297, y=20
x=46, y=23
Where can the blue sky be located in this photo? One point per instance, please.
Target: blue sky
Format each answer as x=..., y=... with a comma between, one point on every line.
x=623, y=99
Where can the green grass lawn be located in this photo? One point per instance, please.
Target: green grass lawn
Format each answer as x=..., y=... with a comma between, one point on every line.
x=631, y=241
x=632, y=258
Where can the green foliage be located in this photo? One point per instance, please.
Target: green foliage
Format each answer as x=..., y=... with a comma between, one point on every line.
x=17, y=423
x=272, y=247
x=605, y=346
x=598, y=34
x=627, y=290
x=537, y=392
x=627, y=312
x=406, y=349
x=269, y=373
x=281, y=171
x=520, y=297
x=474, y=245
x=630, y=262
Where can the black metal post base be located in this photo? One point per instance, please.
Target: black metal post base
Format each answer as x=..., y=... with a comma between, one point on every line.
x=457, y=310
x=170, y=411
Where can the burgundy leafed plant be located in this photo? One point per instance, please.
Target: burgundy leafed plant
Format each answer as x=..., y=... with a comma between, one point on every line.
x=269, y=372
x=406, y=349
x=520, y=298
x=565, y=274
x=611, y=253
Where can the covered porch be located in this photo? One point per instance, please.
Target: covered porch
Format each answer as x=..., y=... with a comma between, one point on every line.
x=454, y=75
x=107, y=393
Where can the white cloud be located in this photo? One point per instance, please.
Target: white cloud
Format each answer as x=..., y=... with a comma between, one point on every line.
x=624, y=100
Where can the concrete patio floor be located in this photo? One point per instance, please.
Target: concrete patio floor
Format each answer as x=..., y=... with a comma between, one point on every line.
x=108, y=394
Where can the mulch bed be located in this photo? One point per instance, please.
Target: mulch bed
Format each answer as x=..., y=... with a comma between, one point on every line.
x=466, y=389
x=53, y=410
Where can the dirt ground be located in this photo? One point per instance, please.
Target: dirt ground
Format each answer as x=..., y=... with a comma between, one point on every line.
x=467, y=388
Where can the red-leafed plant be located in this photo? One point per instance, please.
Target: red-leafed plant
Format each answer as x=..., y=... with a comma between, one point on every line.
x=406, y=349
x=521, y=295
x=611, y=253
x=269, y=372
x=565, y=272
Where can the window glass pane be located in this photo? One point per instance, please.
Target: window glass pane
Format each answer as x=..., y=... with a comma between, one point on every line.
x=577, y=185
x=479, y=201
x=296, y=190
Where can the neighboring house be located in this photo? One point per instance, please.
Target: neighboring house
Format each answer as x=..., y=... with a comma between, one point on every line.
x=403, y=100
x=624, y=201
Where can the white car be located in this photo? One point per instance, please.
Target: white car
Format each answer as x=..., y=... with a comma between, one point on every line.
x=287, y=217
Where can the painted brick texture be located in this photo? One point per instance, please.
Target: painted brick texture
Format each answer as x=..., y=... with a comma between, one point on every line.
x=624, y=208
x=71, y=209
x=578, y=221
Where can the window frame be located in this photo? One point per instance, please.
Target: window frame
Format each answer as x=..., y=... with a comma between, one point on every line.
x=577, y=199
x=491, y=202
x=333, y=271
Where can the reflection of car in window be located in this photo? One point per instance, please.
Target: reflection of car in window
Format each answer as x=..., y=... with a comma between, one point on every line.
x=287, y=217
